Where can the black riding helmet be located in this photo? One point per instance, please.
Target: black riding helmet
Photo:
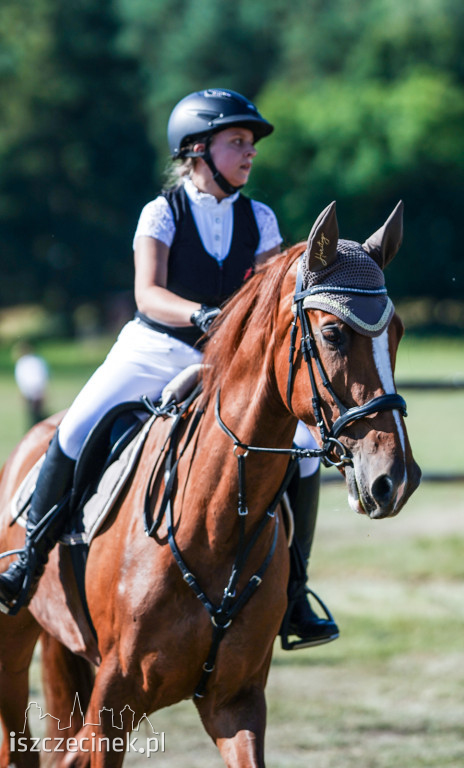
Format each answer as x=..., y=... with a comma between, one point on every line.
x=200, y=115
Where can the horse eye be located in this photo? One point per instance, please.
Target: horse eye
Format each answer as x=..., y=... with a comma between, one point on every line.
x=332, y=334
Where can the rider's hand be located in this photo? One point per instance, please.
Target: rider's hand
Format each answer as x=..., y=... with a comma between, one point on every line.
x=204, y=316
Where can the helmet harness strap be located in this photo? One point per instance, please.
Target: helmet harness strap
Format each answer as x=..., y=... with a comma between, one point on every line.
x=220, y=180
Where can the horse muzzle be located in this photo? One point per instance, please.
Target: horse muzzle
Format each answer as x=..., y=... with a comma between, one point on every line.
x=378, y=490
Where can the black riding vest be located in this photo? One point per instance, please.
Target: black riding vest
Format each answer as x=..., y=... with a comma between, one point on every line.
x=197, y=276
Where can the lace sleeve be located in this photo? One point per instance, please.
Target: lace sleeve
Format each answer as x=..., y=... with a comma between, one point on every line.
x=268, y=227
x=156, y=220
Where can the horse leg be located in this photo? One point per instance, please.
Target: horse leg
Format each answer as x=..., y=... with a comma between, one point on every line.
x=113, y=704
x=66, y=677
x=18, y=636
x=237, y=726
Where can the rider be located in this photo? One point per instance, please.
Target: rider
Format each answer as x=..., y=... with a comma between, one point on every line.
x=193, y=246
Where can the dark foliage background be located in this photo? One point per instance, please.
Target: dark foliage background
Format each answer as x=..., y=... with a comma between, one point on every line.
x=367, y=99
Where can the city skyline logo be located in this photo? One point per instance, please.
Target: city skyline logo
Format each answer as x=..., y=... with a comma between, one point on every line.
x=77, y=711
x=124, y=721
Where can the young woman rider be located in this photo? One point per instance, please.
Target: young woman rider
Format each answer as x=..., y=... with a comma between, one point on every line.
x=193, y=246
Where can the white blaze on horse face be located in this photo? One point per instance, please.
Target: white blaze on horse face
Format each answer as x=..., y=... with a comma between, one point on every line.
x=382, y=360
x=380, y=348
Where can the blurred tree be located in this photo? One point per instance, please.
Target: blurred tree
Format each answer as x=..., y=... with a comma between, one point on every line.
x=367, y=149
x=362, y=39
x=367, y=100
x=76, y=162
x=187, y=45
x=366, y=95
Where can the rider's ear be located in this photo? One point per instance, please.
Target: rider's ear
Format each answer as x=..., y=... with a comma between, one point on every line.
x=384, y=244
x=322, y=241
x=199, y=149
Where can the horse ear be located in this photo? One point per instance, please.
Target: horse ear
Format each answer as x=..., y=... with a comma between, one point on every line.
x=384, y=244
x=322, y=241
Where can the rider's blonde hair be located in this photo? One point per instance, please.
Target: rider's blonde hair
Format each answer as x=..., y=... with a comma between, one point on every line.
x=176, y=171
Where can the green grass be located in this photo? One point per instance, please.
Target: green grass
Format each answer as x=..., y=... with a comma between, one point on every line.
x=434, y=417
x=435, y=358
x=388, y=693
x=431, y=422
x=70, y=364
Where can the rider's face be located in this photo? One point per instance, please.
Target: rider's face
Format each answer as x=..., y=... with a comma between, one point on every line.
x=233, y=152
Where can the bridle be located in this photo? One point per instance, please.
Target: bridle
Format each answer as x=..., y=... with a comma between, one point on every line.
x=334, y=453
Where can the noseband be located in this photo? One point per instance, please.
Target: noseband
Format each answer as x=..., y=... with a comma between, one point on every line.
x=333, y=452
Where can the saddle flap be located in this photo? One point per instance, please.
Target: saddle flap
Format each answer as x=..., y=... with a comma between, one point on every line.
x=100, y=444
x=112, y=482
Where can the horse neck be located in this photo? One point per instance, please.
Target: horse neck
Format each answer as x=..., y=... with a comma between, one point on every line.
x=251, y=408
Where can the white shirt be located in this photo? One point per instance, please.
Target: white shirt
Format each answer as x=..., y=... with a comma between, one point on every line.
x=214, y=220
x=31, y=374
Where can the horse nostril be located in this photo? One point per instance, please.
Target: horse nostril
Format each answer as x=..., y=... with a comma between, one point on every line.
x=382, y=489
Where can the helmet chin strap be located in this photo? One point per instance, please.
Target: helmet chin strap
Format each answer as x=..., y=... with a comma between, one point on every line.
x=220, y=180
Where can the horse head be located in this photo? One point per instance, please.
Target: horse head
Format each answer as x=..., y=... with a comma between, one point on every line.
x=348, y=334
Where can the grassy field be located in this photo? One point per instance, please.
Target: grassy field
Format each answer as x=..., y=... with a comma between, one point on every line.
x=389, y=692
x=431, y=420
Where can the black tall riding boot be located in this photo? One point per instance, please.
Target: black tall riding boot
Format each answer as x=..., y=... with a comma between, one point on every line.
x=44, y=526
x=301, y=620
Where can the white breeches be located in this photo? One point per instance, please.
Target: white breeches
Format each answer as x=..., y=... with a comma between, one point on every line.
x=141, y=362
x=304, y=439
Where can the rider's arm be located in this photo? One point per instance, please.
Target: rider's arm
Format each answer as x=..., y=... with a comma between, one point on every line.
x=151, y=295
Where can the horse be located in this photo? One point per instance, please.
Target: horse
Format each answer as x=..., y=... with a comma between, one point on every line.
x=192, y=611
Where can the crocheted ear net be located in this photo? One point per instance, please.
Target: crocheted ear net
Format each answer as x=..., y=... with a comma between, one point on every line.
x=366, y=307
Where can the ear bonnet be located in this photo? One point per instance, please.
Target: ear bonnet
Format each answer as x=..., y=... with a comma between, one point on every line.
x=345, y=278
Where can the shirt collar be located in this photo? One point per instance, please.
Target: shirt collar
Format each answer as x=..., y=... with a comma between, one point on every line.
x=207, y=201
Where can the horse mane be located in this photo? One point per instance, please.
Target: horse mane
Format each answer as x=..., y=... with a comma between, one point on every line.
x=252, y=308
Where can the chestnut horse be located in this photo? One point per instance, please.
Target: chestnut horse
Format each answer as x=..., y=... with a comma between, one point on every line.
x=153, y=634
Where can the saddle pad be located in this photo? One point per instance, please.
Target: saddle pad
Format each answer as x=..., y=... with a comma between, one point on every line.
x=22, y=497
x=100, y=504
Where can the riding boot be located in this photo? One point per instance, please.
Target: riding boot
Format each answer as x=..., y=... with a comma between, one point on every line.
x=301, y=620
x=44, y=526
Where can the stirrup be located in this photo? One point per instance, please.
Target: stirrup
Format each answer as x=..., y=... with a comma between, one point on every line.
x=293, y=645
